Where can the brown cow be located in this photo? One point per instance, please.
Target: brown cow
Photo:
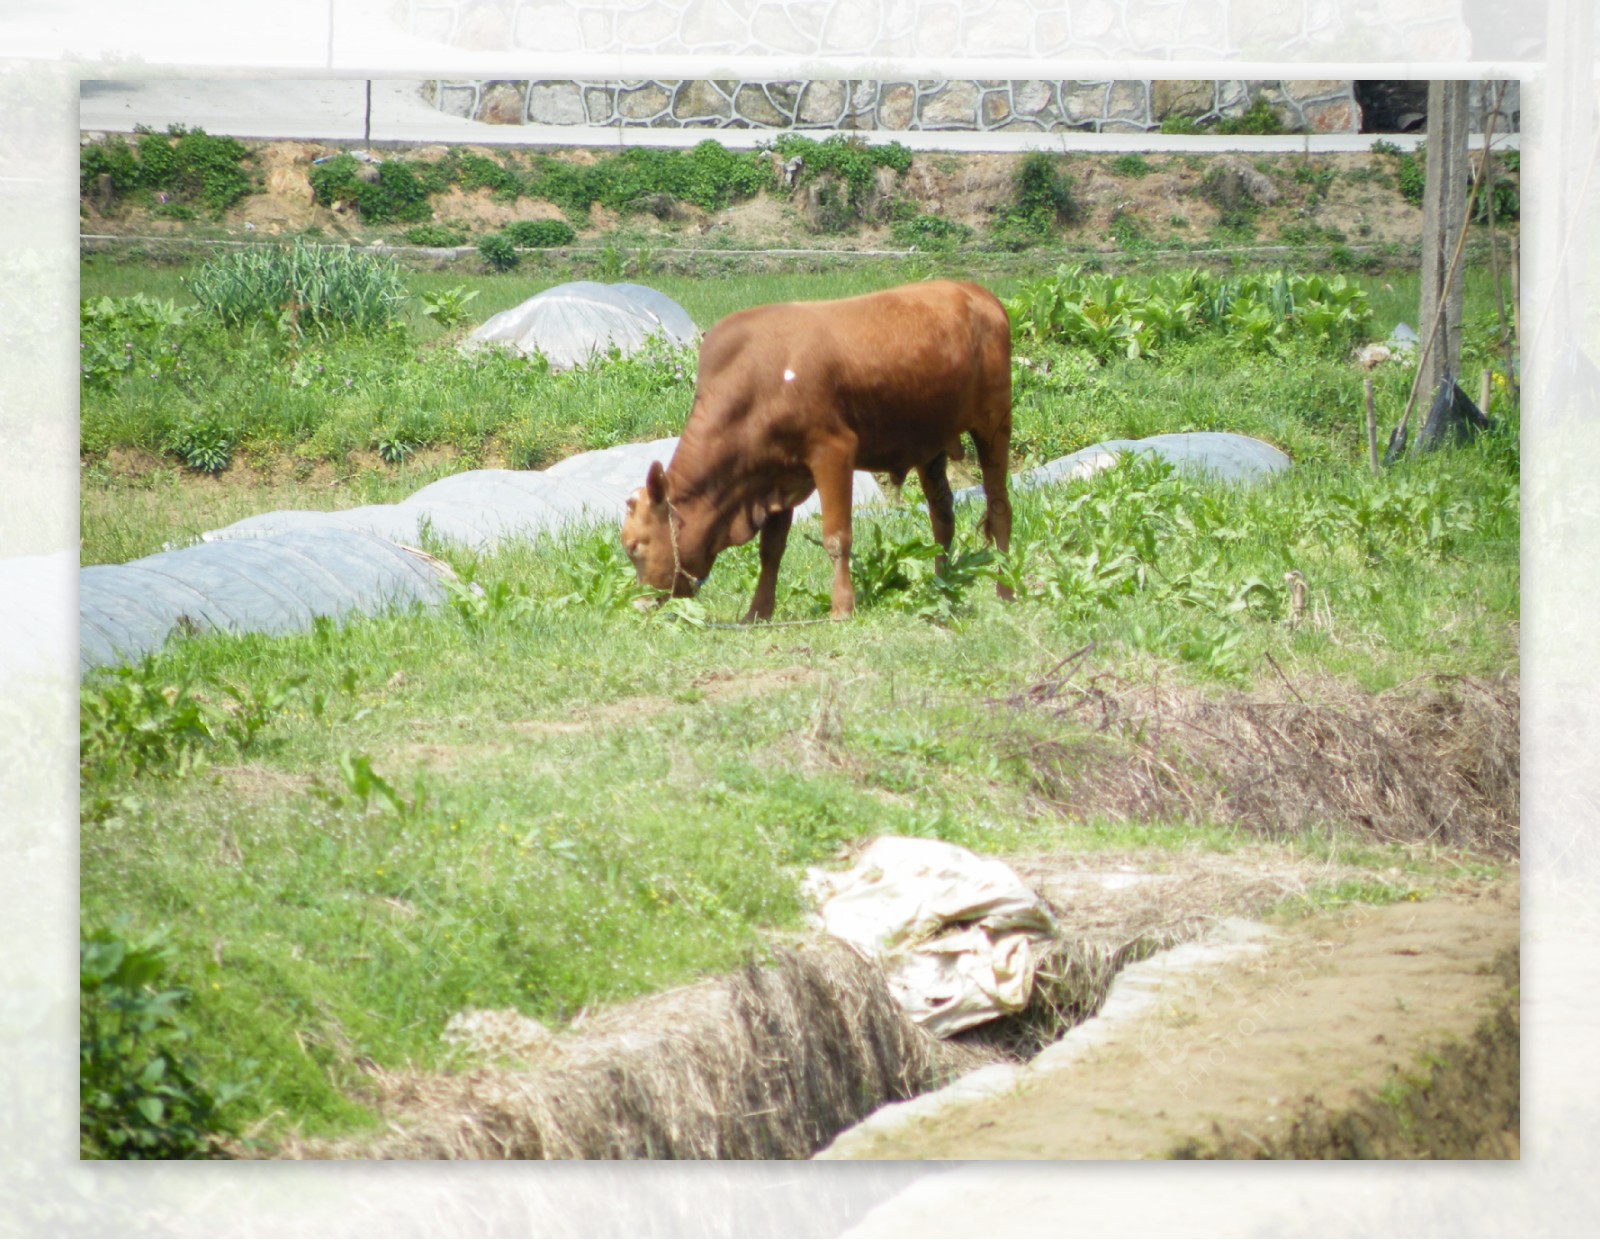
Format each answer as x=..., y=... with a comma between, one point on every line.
x=795, y=398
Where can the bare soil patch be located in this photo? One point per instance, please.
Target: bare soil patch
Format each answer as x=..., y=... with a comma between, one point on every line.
x=1337, y=1008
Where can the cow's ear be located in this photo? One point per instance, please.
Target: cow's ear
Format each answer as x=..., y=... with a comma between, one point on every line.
x=655, y=483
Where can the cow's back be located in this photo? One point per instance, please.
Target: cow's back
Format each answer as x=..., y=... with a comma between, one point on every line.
x=901, y=372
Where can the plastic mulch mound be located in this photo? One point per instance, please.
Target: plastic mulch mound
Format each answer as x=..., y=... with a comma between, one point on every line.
x=277, y=571
x=573, y=323
x=276, y=583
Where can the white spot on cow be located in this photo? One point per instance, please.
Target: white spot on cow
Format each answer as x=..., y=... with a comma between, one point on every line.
x=788, y=376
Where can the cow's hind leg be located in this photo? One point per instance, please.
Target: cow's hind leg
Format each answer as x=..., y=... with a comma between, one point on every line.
x=832, y=470
x=774, y=538
x=941, y=505
x=994, y=452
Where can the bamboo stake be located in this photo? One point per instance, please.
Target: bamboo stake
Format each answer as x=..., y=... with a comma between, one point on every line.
x=1372, y=430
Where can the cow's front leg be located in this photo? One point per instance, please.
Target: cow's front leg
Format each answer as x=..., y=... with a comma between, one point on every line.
x=941, y=506
x=833, y=474
x=774, y=538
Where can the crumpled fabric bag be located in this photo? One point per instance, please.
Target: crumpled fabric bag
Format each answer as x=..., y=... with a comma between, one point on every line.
x=958, y=935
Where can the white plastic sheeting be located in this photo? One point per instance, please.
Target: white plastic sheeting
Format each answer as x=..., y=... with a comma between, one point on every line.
x=483, y=507
x=276, y=583
x=957, y=934
x=573, y=323
x=1220, y=456
x=273, y=573
x=286, y=567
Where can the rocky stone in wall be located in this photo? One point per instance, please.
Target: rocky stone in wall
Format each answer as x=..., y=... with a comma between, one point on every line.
x=700, y=101
x=556, y=103
x=821, y=103
x=505, y=104
x=953, y=105
x=1317, y=106
x=1181, y=98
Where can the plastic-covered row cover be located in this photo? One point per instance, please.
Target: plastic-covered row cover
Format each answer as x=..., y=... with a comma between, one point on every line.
x=276, y=583
x=1220, y=455
x=575, y=322
x=482, y=507
x=274, y=572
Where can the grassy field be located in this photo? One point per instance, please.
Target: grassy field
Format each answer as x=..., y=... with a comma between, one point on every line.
x=538, y=797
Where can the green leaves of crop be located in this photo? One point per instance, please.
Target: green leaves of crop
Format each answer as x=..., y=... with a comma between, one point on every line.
x=302, y=288
x=1115, y=317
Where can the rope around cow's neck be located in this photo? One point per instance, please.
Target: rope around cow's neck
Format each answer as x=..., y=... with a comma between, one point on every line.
x=679, y=570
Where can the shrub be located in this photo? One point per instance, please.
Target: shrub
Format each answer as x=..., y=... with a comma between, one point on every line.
x=1132, y=165
x=848, y=168
x=930, y=232
x=188, y=164
x=499, y=252
x=434, y=235
x=392, y=194
x=480, y=172
x=139, y=1095
x=537, y=234
x=1044, y=200
x=301, y=287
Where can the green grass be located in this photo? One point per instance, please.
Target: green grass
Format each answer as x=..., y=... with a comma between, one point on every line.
x=537, y=797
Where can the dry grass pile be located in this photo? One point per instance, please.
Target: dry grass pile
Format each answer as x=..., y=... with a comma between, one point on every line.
x=1070, y=983
x=1436, y=762
x=771, y=1063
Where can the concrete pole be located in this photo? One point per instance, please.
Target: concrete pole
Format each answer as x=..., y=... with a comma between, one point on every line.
x=1444, y=209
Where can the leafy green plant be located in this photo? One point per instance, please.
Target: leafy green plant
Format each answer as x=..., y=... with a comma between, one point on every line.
x=1180, y=124
x=139, y=1094
x=1132, y=164
x=363, y=783
x=205, y=443
x=1114, y=316
x=499, y=252
x=449, y=307
x=395, y=194
x=930, y=232
x=135, y=334
x=131, y=721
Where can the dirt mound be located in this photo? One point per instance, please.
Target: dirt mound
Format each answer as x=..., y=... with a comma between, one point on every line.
x=1271, y=1056
x=1465, y=1103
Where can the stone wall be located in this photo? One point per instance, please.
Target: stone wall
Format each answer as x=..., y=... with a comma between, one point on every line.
x=1103, y=106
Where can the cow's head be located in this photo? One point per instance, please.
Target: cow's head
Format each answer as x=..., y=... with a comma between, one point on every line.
x=653, y=537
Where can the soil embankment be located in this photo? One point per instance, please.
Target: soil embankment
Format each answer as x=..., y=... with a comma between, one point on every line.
x=1369, y=1032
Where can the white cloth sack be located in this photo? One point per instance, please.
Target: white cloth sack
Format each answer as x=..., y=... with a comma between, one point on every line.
x=958, y=934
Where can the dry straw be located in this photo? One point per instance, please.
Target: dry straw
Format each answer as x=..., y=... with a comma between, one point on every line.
x=771, y=1063
x=1434, y=761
